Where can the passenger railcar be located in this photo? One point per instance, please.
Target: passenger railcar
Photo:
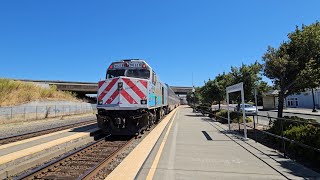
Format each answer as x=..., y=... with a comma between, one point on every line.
x=132, y=98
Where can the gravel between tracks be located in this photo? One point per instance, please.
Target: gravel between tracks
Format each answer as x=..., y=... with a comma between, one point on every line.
x=47, y=161
x=107, y=170
x=24, y=127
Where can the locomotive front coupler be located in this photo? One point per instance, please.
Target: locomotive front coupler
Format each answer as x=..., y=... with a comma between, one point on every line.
x=120, y=122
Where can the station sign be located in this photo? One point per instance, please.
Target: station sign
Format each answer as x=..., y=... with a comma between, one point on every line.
x=234, y=88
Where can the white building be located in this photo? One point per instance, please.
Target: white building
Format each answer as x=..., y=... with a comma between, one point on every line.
x=304, y=99
x=299, y=100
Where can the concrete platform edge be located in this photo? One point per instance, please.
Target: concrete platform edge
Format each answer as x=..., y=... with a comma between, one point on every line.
x=133, y=163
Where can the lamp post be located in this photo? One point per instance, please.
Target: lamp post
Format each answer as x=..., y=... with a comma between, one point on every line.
x=314, y=106
x=194, y=98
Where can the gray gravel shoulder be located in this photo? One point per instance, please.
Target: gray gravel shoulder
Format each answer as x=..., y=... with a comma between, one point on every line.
x=31, y=126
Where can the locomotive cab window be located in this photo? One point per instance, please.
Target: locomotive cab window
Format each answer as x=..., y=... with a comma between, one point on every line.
x=138, y=73
x=115, y=73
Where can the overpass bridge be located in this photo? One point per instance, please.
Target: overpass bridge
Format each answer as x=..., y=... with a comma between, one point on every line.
x=83, y=88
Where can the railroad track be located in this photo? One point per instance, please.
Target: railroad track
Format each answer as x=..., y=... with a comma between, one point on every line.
x=84, y=163
x=28, y=135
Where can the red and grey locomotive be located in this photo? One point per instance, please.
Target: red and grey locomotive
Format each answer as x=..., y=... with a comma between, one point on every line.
x=132, y=98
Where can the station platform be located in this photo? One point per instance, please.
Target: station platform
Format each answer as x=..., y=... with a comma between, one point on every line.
x=195, y=147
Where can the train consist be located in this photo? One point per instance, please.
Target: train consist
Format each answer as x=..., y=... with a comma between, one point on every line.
x=132, y=98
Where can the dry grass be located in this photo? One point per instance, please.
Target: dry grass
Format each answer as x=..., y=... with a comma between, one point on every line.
x=17, y=92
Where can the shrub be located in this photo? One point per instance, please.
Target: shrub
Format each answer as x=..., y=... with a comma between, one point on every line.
x=287, y=124
x=205, y=108
x=222, y=116
x=305, y=134
x=302, y=132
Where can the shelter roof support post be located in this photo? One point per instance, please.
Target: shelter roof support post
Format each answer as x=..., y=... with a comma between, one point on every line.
x=235, y=88
x=228, y=111
x=244, y=115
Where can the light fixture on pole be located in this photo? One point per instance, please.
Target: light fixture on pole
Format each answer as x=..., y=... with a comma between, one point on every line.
x=194, y=98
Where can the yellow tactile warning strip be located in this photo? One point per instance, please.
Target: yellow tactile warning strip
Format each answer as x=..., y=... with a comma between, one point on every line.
x=25, y=152
x=33, y=139
x=130, y=166
x=157, y=158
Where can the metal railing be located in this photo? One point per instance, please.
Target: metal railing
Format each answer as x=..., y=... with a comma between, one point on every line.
x=23, y=113
x=283, y=124
x=276, y=129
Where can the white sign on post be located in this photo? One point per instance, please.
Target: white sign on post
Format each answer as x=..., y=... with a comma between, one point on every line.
x=235, y=88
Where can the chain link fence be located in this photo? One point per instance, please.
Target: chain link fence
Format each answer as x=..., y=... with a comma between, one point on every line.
x=25, y=113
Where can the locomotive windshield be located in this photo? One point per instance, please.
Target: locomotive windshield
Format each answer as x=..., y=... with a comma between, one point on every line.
x=115, y=73
x=136, y=73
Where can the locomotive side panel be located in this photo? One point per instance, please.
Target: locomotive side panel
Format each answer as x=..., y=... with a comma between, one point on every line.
x=173, y=99
x=158, y=93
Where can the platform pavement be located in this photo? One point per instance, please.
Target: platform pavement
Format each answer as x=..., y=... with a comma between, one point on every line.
x=188, y=154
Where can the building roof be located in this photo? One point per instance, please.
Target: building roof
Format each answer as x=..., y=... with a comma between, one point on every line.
x=271, y=93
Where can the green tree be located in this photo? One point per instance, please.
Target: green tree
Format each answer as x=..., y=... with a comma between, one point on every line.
x=295, y=65
x=305, y=48
x=215, y=90
x=220, y=83
x=250, y=76
x=194, y=98
x=281, y=70
x=206, y=92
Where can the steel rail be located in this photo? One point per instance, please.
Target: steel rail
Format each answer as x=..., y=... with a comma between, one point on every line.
x=86, y=150
x=95, y=170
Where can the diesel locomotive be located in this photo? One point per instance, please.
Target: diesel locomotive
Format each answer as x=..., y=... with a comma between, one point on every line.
x=132, y=98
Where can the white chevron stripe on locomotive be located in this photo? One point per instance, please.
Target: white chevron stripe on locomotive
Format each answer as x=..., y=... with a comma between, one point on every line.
x=110, y=92
x=130, y=94
x=105, y=87
x=135, y=89
x=141, y=87
x=102, y=88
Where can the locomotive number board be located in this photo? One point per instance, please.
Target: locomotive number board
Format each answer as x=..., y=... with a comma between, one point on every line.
x=128, y=64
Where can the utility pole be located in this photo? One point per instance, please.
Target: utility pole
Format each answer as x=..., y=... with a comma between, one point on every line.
x=192, y=80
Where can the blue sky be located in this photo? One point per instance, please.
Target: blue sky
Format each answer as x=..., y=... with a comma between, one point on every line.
x=76, y=40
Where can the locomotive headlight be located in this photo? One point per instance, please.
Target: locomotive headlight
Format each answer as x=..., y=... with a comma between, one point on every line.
x=143, y=101
x=100, y=102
